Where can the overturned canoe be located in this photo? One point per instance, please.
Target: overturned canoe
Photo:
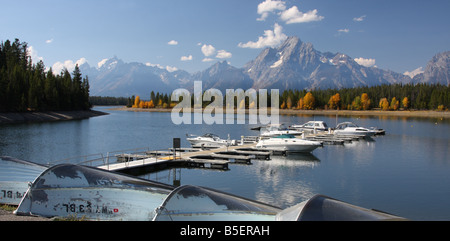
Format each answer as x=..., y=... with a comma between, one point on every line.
x=90, y=193
x=323, y=208
x=94, y=194
x=15, y=177
x=192, y=203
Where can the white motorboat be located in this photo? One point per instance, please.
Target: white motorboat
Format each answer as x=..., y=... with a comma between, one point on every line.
x=349, y=128
x=288, y=143
x=311, y=126
x=208, y=140
x=276, y=130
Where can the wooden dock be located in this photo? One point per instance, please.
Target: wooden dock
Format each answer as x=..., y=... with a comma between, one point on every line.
x=214, y=159
x=218, y=158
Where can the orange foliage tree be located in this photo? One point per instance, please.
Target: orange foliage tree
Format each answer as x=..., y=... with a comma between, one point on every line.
x=309, y=101
x=394, y=104
x=365, y=101
x=334, y=101
x=137, y=100
x=405, y=103
x=384, y=104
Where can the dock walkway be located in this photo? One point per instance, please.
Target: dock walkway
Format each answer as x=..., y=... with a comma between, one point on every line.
x=190, y=158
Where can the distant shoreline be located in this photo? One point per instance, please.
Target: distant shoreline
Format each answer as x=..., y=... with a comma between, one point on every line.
x=47, y=116
x=417, y=113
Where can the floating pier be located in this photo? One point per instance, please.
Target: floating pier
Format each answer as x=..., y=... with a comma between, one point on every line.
x=217, y=158
x=214, y=158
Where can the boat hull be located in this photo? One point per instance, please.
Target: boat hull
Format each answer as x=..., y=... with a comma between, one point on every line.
x=354, y=133
x=295, y=146
x=192, y=203
x=15, y=177
x=93, y=194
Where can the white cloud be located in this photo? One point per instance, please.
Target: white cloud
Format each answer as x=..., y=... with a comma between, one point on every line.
x=68, y=64
x=207, y=60
x=365, y=62
x=345, y=30
x=186, y=58
x=101, y=63
x=293, y=15
x=269, y=6
x=208, y=50
x=168, y=68
x=154, y=65
x=172, y=42
x=49, y=41
x=34, y=55
x=222, y=54
x=414, y=72
x=171, y=69
x=270, y=39
x=359, y=19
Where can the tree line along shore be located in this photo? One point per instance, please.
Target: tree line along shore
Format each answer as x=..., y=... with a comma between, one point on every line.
x=415, y=99
x=380, y=113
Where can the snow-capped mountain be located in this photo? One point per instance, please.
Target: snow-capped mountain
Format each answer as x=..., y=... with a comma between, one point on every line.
x=437, y=70
x=297, y=65
x=117, y=78
x=292, y=65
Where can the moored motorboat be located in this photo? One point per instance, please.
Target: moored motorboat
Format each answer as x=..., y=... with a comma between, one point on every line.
x=288, y=143
x=349, y=128
x=311, y=126
x=208, y=140
x=276, y=130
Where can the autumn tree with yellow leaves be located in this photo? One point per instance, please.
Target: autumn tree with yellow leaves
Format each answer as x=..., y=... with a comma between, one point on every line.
x=384, y=104
x=365, y=101
x=405, y=103
x=334, y=101
x=308, y=102
x=394, y=104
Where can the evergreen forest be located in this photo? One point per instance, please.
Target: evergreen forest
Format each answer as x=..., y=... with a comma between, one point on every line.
x=25, y=86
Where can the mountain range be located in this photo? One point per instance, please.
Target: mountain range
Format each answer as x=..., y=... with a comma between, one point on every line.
x=292, y=65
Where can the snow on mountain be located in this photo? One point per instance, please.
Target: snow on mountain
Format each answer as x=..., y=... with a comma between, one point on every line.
x=292, y=65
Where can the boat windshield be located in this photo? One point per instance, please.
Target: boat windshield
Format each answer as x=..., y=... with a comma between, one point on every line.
x=345, y=125
x=210, y=135
x=285, y=136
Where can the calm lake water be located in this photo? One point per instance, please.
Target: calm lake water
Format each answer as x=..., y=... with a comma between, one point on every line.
x=406, y=172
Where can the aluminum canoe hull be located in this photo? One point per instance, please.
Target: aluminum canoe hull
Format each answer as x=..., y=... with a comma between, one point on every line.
x=15, y=177
x=92, y=194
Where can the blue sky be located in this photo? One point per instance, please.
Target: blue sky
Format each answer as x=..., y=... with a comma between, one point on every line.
x=400, y=35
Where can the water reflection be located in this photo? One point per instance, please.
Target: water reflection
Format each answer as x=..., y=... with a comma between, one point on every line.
x=279, y=182
x=274, y=181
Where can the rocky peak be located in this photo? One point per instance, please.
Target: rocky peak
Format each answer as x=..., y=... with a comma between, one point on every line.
x=437, y=70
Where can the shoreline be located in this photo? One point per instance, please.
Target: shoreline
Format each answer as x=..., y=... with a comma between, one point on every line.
x=47, y=116
x=407, y=113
